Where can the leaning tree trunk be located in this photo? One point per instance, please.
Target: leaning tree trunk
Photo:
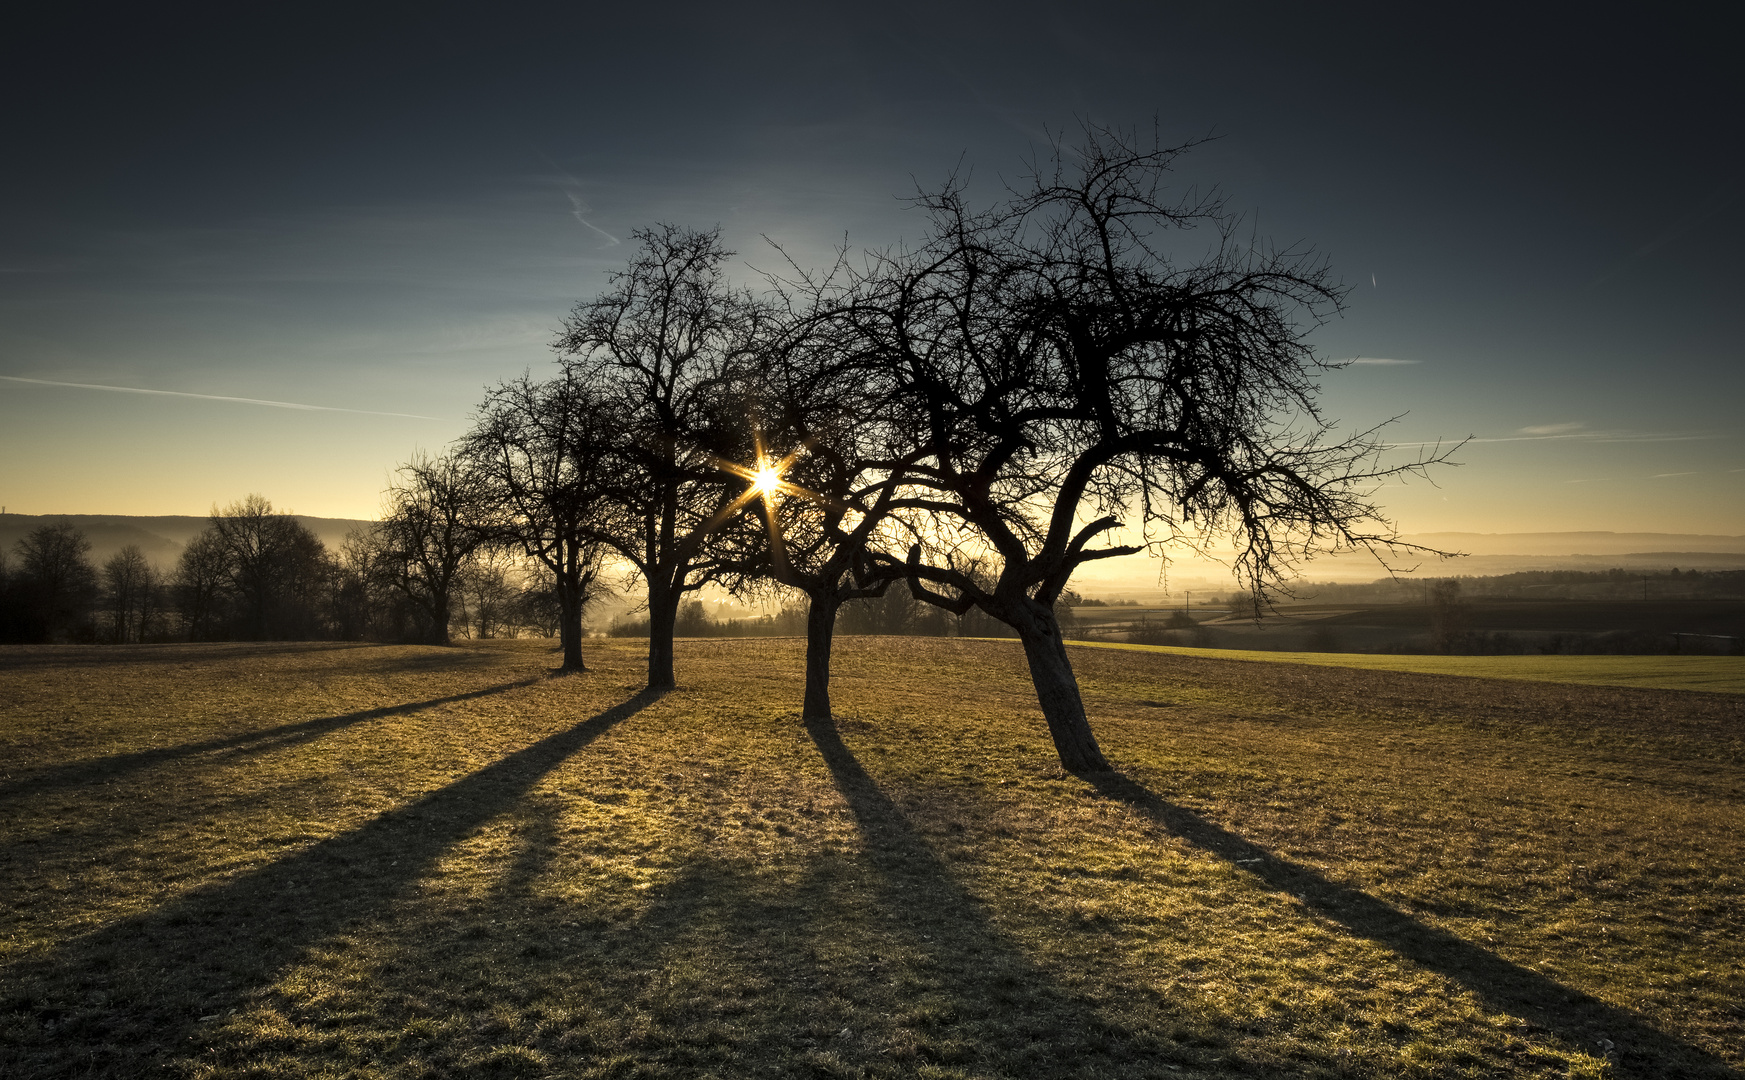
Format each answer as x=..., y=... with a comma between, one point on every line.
x=820, y=630
x=1057, y=691
x=663, y=615
x=569, y=625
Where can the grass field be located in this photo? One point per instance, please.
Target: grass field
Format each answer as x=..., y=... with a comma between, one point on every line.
x=365, y=861
x=1722, y=674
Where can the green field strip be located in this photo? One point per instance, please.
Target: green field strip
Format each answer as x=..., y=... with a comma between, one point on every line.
x=1716, y=674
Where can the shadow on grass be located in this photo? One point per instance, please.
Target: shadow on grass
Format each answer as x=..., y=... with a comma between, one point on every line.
x=851, y=964
x=1577, y=1018
x=988, y=981
x=112, y=1002
x=41, y=656
x=263, y=741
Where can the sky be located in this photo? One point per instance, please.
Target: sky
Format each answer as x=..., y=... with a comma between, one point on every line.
x=279, y=252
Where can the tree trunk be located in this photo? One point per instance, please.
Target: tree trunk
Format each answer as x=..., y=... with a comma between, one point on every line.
x=569, y=626
x=439, y=619
x=663, y=613
x=820, y=630
x=1057, y=691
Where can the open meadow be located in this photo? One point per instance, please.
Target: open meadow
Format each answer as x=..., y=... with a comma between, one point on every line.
x=381, y=861
x=1722, y=674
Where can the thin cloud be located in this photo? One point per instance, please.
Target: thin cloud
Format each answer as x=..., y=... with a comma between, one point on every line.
x=1552, y=429
x=217, y=397
x=1578, y=436
x=1664, y=475
x=578, y=206
x=1380, y=360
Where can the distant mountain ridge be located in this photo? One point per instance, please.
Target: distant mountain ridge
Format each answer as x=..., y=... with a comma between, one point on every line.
x=160, y=539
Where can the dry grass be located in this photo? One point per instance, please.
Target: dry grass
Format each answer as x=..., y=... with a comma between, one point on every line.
x=364, y=861
x=1721, y=674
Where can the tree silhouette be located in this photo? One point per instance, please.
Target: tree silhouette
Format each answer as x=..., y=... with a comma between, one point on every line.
x=828, y=501
x=542, y=454
x=131, y=585
x=198, y=586
x=274, y=571
x=1060, y=371
x=435, y=519
x=55, y=584
x=666, y=348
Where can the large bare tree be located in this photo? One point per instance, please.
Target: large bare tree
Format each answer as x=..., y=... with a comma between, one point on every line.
x=1060, y=372
x=665, y=348
x=828, y=481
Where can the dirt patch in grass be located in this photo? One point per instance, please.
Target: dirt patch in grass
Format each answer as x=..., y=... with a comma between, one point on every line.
x=311, y=861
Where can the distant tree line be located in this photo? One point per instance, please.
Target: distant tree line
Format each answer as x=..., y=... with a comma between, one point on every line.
x=255, y=574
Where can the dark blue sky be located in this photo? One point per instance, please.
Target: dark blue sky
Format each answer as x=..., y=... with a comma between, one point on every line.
x=1538, y=215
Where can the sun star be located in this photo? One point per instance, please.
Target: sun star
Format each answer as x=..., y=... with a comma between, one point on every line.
x=766, y=480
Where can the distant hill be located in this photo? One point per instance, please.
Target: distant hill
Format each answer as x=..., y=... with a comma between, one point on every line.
x=1486, y=555
x=1575, y=544
x=160, y=539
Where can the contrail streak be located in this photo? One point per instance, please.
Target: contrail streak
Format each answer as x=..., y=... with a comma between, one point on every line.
x=218, y=397
x=577, y=206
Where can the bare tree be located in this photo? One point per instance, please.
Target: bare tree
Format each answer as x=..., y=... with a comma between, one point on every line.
x=542, y=454
x=274, y=569
x=827, y=501
x=364, y=603
x=55, y=584
x=538, y=608
x=486, y=596
x=434, y=520
x=1061, y=371
x=131, y=585
x=197, y=586
x=664, y=348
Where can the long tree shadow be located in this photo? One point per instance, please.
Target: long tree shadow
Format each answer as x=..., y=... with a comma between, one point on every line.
x=1577, y=1018
x=23, y=657
x=874, y=963
x=265, y=740
x=136, y=989
x=1060, y=1034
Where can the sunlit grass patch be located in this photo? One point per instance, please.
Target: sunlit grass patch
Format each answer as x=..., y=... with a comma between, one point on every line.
x=421, y=862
